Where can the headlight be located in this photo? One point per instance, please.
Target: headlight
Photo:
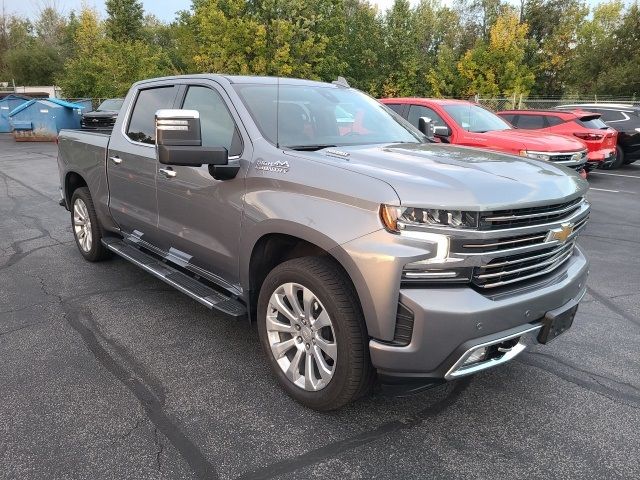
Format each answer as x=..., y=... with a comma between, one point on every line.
x=535, y=155
x=439, y=267
x=399, y=219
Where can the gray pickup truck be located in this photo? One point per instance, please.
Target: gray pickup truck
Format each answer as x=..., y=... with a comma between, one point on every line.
x=363, y=251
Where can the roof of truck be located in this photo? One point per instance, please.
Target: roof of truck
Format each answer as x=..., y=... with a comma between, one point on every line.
x=244, y=79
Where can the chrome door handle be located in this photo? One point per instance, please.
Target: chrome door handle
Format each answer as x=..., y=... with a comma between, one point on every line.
x=167, y=172
x=116, y=160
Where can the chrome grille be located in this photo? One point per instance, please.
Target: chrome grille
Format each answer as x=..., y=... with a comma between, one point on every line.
x=495, y=245
x=567, y=157
x=516, y=268
x=522, y=217
x=501, y=261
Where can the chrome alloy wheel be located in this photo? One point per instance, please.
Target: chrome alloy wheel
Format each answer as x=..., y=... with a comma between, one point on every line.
x=82, y=225
x=301, y=336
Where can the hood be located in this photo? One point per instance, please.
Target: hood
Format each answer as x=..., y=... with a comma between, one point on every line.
x=531, y=140
x=448, y=176
x=100, y=114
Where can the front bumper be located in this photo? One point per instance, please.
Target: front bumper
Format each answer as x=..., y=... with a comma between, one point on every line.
x=448, y=322
x=600, y=158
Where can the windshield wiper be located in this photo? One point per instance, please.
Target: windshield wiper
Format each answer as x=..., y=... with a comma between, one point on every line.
x=309, y=148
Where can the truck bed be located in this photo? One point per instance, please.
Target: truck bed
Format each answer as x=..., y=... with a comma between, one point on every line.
x=85, y=153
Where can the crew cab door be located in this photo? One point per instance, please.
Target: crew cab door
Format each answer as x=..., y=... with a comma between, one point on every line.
x=131, y=164
x=199, y=217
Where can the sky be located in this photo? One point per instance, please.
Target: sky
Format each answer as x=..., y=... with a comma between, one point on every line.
x=163, y=9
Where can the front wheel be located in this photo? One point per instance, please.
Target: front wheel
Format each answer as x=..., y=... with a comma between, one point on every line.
x=313, y=333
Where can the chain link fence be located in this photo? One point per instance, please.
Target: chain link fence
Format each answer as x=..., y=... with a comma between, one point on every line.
x=521, y=102
x=85, y=101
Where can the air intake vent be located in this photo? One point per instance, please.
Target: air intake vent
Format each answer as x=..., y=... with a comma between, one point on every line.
x=404, y=326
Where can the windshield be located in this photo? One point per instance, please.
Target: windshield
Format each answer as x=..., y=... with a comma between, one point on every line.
x=475, y=119
x=111, y=105
x=311, y=117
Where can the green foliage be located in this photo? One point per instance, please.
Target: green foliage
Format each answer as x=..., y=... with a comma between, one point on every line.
x=124, y=20
x=103, y=67
x=552, y=43
x=426, y=48
x=496, y=67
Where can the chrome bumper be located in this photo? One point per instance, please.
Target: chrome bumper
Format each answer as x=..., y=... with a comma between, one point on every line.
x=451, y=323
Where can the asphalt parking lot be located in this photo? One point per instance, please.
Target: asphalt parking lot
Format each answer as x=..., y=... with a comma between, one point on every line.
x=107, y=373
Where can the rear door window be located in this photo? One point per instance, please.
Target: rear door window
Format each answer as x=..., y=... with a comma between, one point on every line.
x=552, y=121
x=399, y=108
x=509, y=117
x=531, y=122
x=142, y=125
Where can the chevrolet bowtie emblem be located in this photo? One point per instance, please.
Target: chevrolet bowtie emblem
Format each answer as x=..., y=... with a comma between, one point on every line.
x=560, y=234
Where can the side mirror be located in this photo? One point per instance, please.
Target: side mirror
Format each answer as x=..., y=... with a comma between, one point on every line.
x=441, y=131
x=425, y=125
x=179, y=141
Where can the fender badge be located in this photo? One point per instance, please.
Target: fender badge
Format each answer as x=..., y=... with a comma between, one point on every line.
x=276, y=167
x=337, y=153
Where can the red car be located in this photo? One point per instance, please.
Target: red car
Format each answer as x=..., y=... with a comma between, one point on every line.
x=464, y=123
x=587, y=126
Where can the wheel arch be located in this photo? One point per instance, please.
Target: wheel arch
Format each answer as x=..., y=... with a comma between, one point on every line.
x=72, y=181
x=275, y=247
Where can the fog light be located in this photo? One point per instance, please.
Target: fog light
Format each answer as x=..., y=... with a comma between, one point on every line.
x=477, y=356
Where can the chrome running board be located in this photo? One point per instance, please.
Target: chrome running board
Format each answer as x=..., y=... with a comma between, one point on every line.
x=197, y=290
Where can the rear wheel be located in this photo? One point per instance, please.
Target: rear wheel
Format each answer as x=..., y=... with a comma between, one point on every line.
x=313, y=333
x=86, y=227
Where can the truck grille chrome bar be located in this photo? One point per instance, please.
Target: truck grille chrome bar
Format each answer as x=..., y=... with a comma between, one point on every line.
x=503, y=272
x=529, y=216
x=510, y=242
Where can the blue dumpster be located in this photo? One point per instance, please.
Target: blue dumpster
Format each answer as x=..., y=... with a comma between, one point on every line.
x=42, y=119
x=7, y=104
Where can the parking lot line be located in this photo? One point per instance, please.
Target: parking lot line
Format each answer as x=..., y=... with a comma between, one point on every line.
x=615, y=174
x=604, y=190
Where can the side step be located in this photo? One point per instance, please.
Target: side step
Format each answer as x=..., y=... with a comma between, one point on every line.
x=204, y=294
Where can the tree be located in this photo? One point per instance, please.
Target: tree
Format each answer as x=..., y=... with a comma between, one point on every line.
x=264, y=37
x=103, y=67
x=625, y=70
x=594, y=52
x=360, y=46
x=497, y=67
x=444, y=78
x=124, y=20
x=400, y=62
x=553, y=27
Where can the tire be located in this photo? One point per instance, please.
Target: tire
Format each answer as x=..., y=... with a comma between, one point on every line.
x=327, y=289
x=619, y=161
x=87, y=236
